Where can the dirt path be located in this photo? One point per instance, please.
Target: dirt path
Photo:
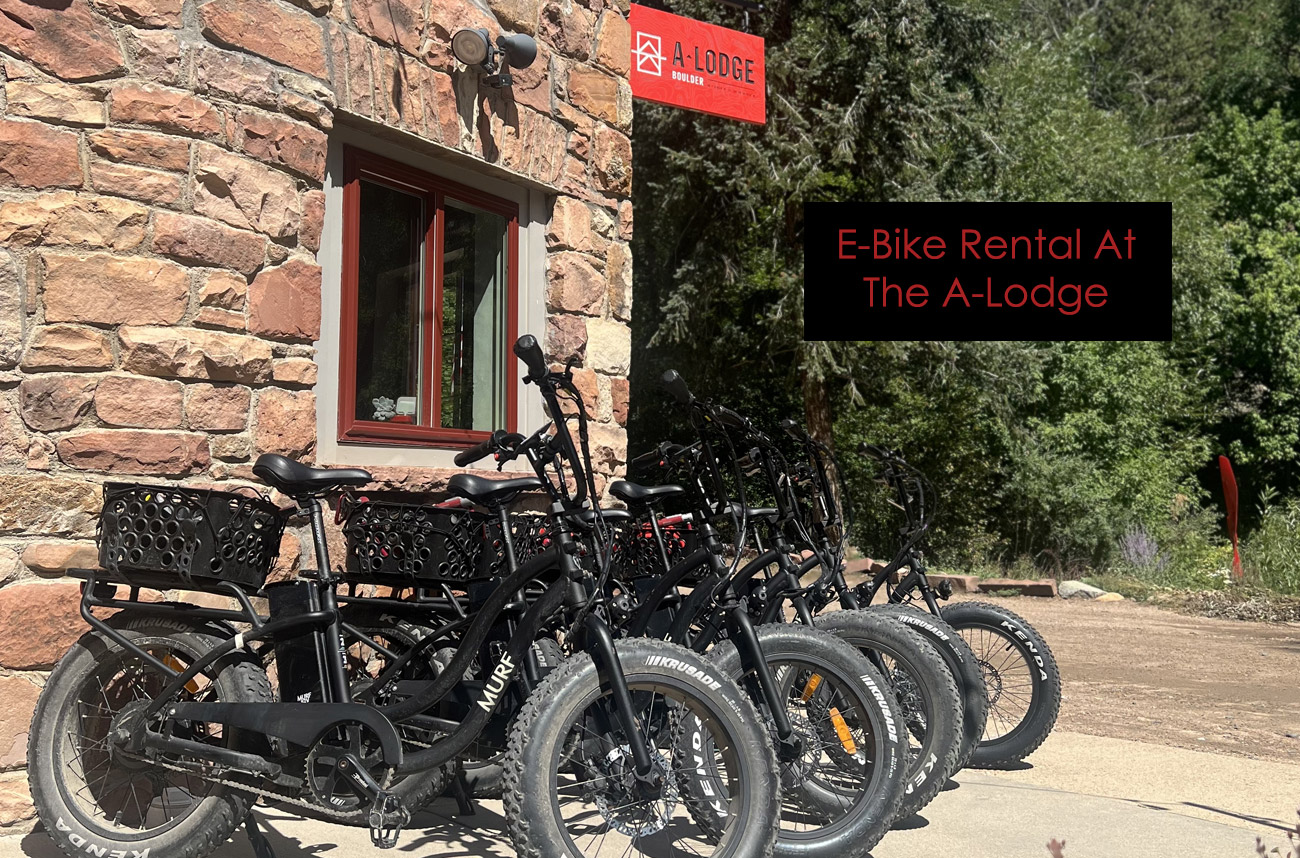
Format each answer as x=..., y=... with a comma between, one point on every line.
x=1136, y=672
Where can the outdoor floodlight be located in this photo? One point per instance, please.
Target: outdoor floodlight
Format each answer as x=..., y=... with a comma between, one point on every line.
x=473, y=47
x=520, y=50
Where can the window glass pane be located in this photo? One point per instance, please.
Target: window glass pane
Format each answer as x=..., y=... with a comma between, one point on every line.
x=389, y=305
x=473, y=318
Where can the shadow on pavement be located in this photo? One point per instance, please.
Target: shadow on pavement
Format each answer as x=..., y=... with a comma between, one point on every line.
x=912, y=823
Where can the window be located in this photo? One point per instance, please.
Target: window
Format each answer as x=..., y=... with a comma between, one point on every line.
x=429, y=307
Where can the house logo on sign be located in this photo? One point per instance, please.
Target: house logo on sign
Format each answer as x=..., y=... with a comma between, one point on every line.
x=649, y=54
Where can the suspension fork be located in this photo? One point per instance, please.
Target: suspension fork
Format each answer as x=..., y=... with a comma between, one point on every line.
x=598, y=642
x=741, y=630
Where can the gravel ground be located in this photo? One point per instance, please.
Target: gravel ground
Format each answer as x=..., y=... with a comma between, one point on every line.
x=1132, y=671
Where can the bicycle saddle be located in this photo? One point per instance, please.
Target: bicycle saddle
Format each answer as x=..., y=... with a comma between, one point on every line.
x=296, y=479
x=587, y=517
x=490, y=492
x=637, y=494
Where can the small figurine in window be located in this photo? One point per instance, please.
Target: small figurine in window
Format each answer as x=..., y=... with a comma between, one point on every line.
x=385, y=408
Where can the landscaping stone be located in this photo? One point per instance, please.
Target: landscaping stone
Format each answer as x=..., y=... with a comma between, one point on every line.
x=1079, y=590
x=1040, y=587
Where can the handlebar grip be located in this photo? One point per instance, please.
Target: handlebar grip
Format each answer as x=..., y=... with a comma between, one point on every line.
x=528, y=351
x=646, y=459
x=675, y=385
x=727, y=417
x=877, y=453
x=473, y=454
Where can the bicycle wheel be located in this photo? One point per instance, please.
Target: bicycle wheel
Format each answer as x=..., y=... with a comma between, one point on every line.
x=570, y=786
x=1024, y=685
x=840, y=795
x=925, y=690
x=94, y=797
x=957, y=655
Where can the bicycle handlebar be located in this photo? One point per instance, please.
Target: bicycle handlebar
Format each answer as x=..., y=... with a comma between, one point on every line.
x=483, y=448
x=676, y=385
x=528, y=351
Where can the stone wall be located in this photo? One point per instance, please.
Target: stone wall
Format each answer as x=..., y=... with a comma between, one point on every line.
x=161, y=166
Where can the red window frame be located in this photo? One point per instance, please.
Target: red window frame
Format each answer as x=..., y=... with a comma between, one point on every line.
x=357, y=165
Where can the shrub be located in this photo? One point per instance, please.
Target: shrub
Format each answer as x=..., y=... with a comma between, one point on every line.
x=1271, y=555
x=1182, y=553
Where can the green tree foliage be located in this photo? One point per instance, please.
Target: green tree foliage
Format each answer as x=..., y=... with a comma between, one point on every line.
x=1055, y=452
x=1255, y=165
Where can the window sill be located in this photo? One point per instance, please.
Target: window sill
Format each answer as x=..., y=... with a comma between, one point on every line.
x=370, y=433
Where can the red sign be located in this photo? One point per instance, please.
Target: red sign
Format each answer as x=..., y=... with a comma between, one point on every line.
x=699, y=66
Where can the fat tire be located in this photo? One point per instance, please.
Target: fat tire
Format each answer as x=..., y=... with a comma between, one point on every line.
x=544, y=721
x=874, y=813
x=937, y=758
x=957, y=655
x=1006, y=751
x=216, y=816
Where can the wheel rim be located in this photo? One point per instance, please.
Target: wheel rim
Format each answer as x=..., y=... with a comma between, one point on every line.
x=838, y=766
x=1008, y=679
x=595, y=797
x=108, y=790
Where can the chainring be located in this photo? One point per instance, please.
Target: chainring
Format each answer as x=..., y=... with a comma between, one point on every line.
x=329, y=786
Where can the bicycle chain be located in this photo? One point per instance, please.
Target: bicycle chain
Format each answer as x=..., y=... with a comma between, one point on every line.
x=266, y=793
x=258, y=791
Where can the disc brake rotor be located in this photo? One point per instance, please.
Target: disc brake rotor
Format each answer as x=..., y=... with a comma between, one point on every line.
x=617, y=800
x=992, y=682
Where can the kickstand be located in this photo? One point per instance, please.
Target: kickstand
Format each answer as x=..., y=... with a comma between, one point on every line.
x=460, y=792
x=261, y=846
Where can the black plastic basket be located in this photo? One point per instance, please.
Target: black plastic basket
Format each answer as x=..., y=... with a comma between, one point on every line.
x=636, y=550
x=404, y=544
x=172, y=536
x=530, y=535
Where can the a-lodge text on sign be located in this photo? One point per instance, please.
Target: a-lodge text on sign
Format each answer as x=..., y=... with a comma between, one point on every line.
x=687, y=63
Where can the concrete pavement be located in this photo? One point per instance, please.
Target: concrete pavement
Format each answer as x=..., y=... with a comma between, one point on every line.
x=1106, y=798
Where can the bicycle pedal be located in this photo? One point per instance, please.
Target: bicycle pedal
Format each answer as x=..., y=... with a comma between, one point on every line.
x=387, y=818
